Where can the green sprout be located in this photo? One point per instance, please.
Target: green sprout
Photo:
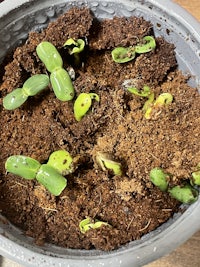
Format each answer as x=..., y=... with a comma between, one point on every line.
x=88, y=224
x=62, y=161
x=148, y=45
x=162, y=100
x=159, y=178
x=185, y=194
x=23, y=166
x=32, y=86
x=106, y=161
x=75, y=48
x=83, y=103
x=60, y=79
x=50, y=175
x=126, y=54
x=122, y=54
x=145, y=92
x=51, y=179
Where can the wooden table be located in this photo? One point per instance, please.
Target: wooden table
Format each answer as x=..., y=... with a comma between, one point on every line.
x=189, y=253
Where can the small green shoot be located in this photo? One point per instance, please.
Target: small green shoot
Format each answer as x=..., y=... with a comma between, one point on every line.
x=60, y=79
x=50, y=175
x=126, y=54
x=145, y=92
x=75, y=48
x=32, y=86
x=163, y=99
x=159, y=178
x=87, y=224
x=185, y=194
x=83, y=103
x=106, y=161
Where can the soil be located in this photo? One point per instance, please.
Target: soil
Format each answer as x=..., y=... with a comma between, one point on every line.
x=130, y=203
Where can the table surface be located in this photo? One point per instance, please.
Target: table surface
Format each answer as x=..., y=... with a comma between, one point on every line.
x=187, y=254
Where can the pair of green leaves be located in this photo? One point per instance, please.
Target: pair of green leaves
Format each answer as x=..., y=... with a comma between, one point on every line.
x=50, y=175
x=31, y=87
x=123, y=54
x=186, y=194
x=59, y=77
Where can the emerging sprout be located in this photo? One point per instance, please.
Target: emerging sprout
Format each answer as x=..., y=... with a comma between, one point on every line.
x=60, y=79
x=149, y=45
x=83, y=103
x=122, y=54
x=106, y=161
x=75, y=48
x=31, y=87
x=162, y=100
x=23, y=166
x=159, y=178
x=185, y=194
x=51, y=179
x=145, y=92
x=126, y=54
x=87, y=224
x=62, y=161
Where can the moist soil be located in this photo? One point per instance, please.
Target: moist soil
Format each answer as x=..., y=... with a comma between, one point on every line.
x=130, y=203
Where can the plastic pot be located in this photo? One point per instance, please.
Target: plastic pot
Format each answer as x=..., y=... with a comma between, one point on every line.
x=19, y=17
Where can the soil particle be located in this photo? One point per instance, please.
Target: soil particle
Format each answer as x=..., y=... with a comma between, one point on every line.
x=130, y=204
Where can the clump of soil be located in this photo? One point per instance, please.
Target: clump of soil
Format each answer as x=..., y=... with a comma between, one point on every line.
x=170, y=139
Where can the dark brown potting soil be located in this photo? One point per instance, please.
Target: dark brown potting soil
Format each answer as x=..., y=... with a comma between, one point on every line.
x=131, y=204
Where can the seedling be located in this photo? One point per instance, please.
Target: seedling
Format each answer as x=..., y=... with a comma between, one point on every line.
x=32, y=86
x=88, y=224
x=145, y=92
x=126, y=54
x=83, y=103
x=159, y=178
x=106, y=161
x=75, y=48
x=163, y=99
x=50, y=175
x=148, y=45
x=60, y=79
x=185, y=194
